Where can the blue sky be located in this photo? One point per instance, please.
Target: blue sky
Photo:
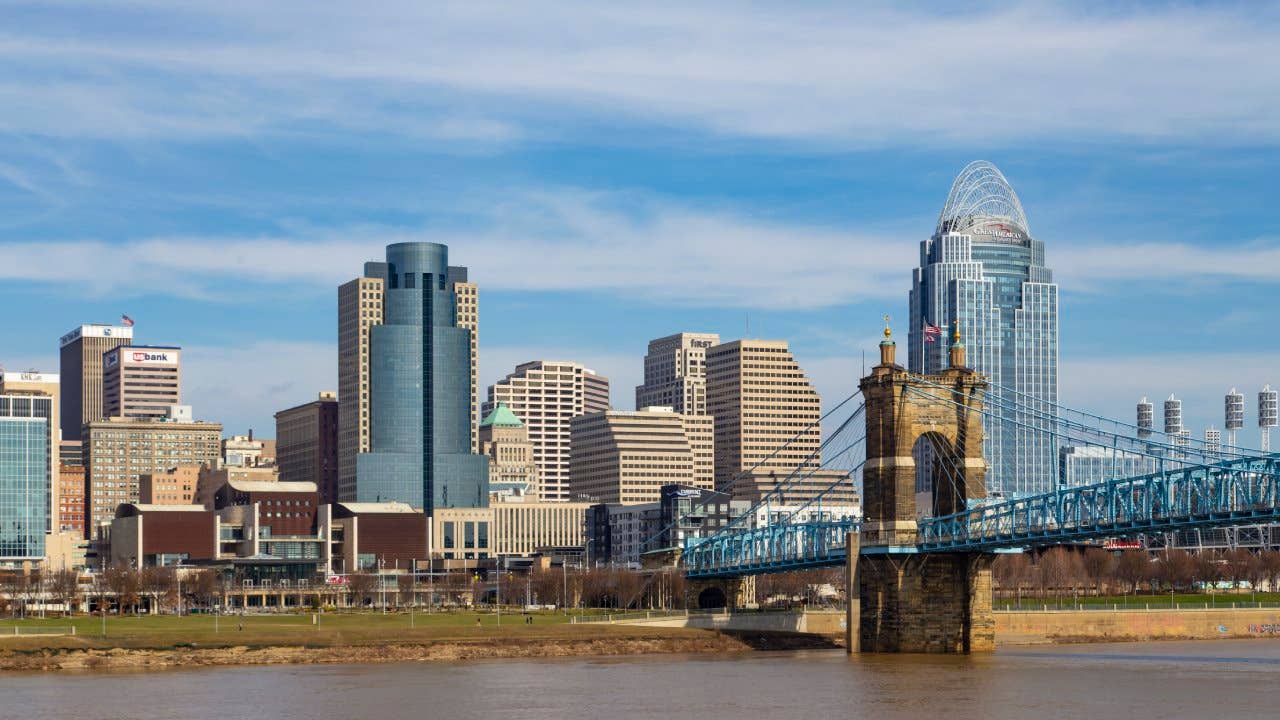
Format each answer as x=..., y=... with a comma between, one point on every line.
x=613, y=174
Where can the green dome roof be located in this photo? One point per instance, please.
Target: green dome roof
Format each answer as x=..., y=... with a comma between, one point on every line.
x=502, y=417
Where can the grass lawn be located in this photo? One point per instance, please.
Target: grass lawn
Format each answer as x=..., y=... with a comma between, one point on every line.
x=332, y=628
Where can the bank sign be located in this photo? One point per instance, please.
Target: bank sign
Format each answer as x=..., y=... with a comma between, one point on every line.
x=149, y=357
x=100, y=331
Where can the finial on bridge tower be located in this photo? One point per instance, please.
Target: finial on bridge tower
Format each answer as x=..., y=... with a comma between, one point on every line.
x=957, y=347
x=887, y=345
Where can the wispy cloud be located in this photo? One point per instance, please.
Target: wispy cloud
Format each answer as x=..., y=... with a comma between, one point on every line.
x=867, y=75
x=627, y=245
x=1085, y=268
x=569, y=241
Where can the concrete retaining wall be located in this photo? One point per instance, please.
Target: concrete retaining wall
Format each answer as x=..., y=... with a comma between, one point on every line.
x=1036, y=626
x=817, y=622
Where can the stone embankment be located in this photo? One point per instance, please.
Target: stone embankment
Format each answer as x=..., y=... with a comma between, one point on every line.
x=1023, y=627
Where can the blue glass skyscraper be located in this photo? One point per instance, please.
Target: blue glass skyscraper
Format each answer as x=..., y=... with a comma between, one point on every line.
x=983, y=268
x=420, y=388
x=24, y=476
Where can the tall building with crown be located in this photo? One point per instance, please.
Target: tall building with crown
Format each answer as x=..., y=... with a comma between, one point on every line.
x=982, y=269
x=504, y=439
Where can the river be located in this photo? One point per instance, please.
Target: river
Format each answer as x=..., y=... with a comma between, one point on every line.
x=1217, y=679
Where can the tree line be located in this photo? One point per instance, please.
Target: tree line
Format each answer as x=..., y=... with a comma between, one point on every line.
x=1095, y=571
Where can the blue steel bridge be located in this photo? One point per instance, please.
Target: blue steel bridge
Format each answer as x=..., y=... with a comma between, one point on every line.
x=1185, y=485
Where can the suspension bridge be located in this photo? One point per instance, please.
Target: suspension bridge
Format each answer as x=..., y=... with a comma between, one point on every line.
x=923, y=574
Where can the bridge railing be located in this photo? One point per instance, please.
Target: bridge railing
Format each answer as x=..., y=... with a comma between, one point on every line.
x=1229, y=493
x=775, y=548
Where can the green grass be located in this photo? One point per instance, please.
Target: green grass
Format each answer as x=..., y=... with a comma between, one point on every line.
x=1156, y=600
x=333, y=628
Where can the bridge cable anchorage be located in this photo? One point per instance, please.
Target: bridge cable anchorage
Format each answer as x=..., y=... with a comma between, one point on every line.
x=728, y=488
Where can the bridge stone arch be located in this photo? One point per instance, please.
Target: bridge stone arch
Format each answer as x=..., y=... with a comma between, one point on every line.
x=912, y=601
x=903, y=409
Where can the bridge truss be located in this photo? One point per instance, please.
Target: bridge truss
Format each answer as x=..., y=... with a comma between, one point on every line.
x=1193, y=488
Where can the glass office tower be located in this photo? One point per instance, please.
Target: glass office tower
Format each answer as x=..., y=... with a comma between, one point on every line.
x=420, y=388
x=983, y=268
x=24, y=476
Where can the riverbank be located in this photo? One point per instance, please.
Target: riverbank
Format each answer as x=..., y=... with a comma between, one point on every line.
x=168, y=642
x=1034, y=627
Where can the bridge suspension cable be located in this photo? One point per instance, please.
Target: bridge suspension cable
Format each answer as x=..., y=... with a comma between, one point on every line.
x=728, y=488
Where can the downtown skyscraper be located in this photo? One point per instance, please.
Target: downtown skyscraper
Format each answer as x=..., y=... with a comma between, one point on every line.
x=983, y=270
x=406, y=363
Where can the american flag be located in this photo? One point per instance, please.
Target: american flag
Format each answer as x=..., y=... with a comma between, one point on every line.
x=932, y=332
x=128, y=321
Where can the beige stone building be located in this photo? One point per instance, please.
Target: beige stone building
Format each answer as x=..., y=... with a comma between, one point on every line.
x=81, y=353
x=307, y=444
x=468, y=310
x=141, y=382
x=626, y=457
x=248, y=451
x=506, y=529
x=359, y=309
x=505, y=440
x=118, y=451
x=546, y=395
x=175, y=486
x=214, y=475
x=38, y=384
x=675, y=373
x=767, y=424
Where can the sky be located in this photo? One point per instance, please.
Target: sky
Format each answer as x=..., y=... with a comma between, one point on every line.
x=612, y=173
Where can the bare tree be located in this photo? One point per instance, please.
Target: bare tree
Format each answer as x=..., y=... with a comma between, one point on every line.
x=203, y=587
x=1239, y=565
x=1011, y=573
x=1176, y=568
x=64, y=588
x=1100, y=568
x=160, y=584
x=407, y=589
x=1269, y=560
x=1133, y=568
x=361, y=587
x=123, y=582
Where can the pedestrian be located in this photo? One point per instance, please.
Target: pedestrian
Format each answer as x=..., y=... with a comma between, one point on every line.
x=477, y=622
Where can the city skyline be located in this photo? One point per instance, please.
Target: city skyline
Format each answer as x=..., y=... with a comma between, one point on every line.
x=224, y=231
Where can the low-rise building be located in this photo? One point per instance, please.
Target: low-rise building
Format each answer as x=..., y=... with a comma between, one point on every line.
x=71, y=498
x=375, y=536
x=214, y=475
x=175, y=486
x=247, y=451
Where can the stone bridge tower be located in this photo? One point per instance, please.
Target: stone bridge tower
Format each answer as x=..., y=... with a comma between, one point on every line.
x=912, y=601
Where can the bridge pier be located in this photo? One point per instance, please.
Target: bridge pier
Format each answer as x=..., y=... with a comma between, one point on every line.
x=715, y=593
x=924, y=602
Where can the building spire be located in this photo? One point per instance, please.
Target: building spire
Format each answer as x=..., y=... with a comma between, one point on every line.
x=887, y=345
x=957, y=347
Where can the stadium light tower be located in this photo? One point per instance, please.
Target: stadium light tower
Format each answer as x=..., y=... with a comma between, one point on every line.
x=1267, y=414
x=1234, y=407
